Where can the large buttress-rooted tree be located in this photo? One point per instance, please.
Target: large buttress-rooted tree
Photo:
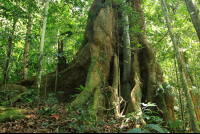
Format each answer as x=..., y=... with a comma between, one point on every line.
x=96, y=67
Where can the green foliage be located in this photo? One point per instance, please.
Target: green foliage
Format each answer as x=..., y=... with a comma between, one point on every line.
x=164, y=88
x=52, y=99
x=45, y=124
x=51, y=105
x=135, y=130
x=30, y=97
x=48, y=111
x=6, y=95
x=154, y=127
x=149, y=128
x=147, y=113
x=83, y=122
x=175, y=127
x=75, y=13
x=83, y=88
x=74, y=96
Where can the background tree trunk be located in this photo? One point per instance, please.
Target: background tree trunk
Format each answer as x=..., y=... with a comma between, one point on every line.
x=26, y=49
x=10, y=41
x=61, y=58
x=41, y=48
x=126, y=86
x=193, y=11
x=182, y=75
x=190, y=84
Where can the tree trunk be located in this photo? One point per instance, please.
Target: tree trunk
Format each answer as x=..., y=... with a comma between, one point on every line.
x=190, y=84
x=95, y=67
x=10, y=41
x=26, y=49
x=41, y=48
x=182, y=75
x=193, y=11
x=61, y=58
x=126, y=86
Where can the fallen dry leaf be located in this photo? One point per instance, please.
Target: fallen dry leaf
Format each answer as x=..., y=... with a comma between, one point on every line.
x=30, y=116
x=30, y=123
x=55, y=116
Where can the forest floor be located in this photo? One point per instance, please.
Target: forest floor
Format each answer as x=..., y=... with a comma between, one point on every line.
x=45, y=118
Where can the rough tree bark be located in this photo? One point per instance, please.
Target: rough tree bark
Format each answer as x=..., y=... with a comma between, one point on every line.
x=193, y=11
x=95, y=67
x=26, y=49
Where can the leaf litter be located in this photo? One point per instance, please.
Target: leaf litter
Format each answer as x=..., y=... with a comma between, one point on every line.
x=35, y=122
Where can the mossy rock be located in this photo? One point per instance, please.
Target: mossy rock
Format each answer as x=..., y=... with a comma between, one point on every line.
x=13, y=87
x=11, y=114
x=13, y=92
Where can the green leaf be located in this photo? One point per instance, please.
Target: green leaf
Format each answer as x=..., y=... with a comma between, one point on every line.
x=151, y=104
x=83, y=128
x=81, y=87
x=101, y=123
x=155, y=127
x=42, y=111
x=83, y=114
x=135, y=130
x=160, y=86
x=30, y=100
x=46, y=109
x=177, y=123
x=79, y=129
x=45, y=124
x=128, y=115
x=113, y=121
x=73, y=125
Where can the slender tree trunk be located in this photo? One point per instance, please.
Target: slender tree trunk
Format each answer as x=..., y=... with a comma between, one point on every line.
x=61, y=58
x=39, y=37
x=192, y=9
x=190, y=105
x=179, y=92
x=190, y=82
x=10, y=40
x=126, y=86
x=26, y=49
x=41, y=48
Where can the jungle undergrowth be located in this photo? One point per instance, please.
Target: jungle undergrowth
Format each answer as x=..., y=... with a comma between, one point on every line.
x=48, y=115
